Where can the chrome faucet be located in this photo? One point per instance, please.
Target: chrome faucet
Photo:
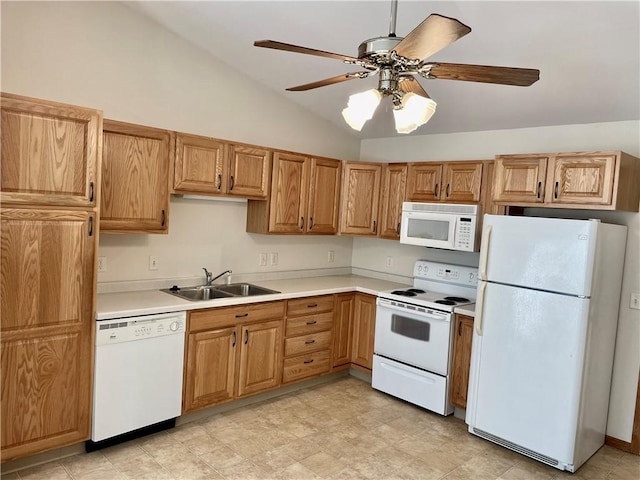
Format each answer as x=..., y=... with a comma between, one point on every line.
x=210, y=278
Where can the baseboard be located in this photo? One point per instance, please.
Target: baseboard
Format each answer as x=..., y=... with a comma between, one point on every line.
x=619, y=444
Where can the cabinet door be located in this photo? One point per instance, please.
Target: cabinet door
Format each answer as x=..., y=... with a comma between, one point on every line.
x=519, y=179
x=581, y=179
x=360, y=197
x=342, y=329
x=260, y=357
x=461, y=360
x=200, y=165
x=249, y=171
x=47, y=316
x=135, y=178
x=50, y=152
x=288, y=193
x=424, y=182
x=364, y=320
x=324, y=196
x=394, y=182
x=210, y=368
x=461, y=181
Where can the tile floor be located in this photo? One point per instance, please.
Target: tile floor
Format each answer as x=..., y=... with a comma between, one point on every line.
x=339, y=430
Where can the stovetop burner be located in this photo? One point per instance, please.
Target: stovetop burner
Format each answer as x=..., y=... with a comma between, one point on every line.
x=445, y=302
x=416, y=290
x=405, y=293
x=457, y=299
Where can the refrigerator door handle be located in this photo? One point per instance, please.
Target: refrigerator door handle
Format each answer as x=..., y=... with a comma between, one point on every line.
x=479, y=306
x=484, y=253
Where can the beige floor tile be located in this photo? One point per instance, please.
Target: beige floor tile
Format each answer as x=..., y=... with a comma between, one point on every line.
x=143, y=468
x=323, y=464
x=192, y=469
x=373, y=467
x=102, y=473
x=273, y=460
x=245, y=470
x=222, y=457
x=78, y=465
x=296, y=471
x=48, y=471
x=10, y=476
x=520, y=472
x=299, y=449
x=123, y=453
x=200, y=445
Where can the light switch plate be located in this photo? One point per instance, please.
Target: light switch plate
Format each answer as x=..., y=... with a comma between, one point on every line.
x=153, y=262
x=635, y=301
x=102, y=264
x=262, y=260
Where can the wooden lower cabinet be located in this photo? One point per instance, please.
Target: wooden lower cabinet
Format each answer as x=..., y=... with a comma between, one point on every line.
x=232, y=352
x=463, y=337
x=342, y=330
x=364, y=320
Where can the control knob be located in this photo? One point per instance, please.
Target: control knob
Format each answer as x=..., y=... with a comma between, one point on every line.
x=174, y=326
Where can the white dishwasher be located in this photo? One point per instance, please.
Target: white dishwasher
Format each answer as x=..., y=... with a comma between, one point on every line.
x=137, y=374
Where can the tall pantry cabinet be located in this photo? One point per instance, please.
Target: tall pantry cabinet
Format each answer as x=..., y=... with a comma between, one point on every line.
x=49, y=167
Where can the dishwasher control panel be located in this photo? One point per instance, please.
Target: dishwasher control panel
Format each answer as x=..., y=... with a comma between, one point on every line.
x=120, y=330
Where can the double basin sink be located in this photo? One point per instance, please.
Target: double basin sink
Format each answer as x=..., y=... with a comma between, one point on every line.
x=205, y=292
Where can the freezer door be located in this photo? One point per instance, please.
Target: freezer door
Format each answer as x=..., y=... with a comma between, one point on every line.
x=552, y=254
x=527, y=364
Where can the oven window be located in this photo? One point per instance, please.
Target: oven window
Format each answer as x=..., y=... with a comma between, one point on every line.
x=429, y=229
x=408, y=327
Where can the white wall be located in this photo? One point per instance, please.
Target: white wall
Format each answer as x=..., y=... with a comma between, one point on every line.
x=370, y=254
x=107, y=56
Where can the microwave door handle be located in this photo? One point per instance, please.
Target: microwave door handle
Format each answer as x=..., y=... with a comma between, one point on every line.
x=422, y=315
x=453, y=226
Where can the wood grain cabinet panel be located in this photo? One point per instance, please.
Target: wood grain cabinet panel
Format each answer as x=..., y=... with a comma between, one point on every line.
x=360, y=198
x=342, y=330
x=461, y=182
x=249, y=171
x=260, y=357
x=50, y=152
x=394, y=183
x=200, y=165
x=306, y=366
x=324, y=196
x=463, y=337
x=211, y=360
x=289, y=193
x=135, y=178
x=424, y=180
x=582, y=180
x=364, y=319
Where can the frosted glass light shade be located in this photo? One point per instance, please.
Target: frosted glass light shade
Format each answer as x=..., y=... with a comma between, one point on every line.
x=416, y=110
x=361, y=107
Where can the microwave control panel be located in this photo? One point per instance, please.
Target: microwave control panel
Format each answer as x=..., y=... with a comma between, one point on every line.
x=465, y=233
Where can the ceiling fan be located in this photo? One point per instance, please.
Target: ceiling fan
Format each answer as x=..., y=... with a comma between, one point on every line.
x=397, y=61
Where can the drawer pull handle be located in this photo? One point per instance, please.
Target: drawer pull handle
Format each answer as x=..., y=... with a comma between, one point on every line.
x=312, y=305
x=242, y=315
x=309, y=361
x=313, y=322
x=309, y=342
x=555, y=191
x=538, y=190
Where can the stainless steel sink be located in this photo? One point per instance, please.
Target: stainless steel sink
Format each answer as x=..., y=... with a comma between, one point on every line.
x=244, y=289
x=197, y=293
x=221, y=291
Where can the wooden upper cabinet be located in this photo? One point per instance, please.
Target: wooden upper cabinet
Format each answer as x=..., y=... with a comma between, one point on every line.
x=324, y=196
x=461, y=182
x=424, y=181
x=586, y=180
x=249, y=171
x=135, y=178
x=47, y=316
x=520, y=179
x=360, y=198
x=581, y=179
x=288, y=202
x=200, y=165
x=50, y=152
x=394, y=183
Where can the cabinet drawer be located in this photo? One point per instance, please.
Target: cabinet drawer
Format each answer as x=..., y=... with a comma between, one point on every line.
x=228, y=316
x=307, y=343
x=309, y=324
x=303, y=366
x=308, y=305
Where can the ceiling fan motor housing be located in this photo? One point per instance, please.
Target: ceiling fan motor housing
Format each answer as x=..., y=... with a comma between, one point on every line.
x=378, y=50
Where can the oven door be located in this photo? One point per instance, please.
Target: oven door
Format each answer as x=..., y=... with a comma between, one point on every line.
x=428, y=229
x=418, y=338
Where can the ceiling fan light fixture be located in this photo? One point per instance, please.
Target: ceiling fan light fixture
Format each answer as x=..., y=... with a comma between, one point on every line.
x=414, y=111
x=361, y=107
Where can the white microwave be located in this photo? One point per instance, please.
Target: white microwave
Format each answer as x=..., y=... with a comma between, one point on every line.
x=439, y=225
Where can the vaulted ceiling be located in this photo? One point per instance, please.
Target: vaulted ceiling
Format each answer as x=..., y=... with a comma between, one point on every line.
x=588, y=54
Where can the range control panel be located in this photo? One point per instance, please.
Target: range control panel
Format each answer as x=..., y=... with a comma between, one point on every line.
x=447, y=273
x=121, y=330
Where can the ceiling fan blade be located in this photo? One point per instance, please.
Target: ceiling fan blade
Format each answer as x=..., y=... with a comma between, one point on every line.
x=431, y=36
x=297, y=49
x=522, y=77
x=411, y=85
x=329, y=81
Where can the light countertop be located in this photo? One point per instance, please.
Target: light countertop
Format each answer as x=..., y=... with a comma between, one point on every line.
x=147, y=302
x=469, y=310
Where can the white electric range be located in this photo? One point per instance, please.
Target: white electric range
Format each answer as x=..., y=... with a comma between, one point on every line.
x=413, y=335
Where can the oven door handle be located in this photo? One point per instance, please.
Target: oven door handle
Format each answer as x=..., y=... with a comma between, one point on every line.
x=422, y=315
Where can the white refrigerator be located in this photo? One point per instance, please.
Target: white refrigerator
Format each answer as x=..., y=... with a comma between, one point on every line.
x=544, y=335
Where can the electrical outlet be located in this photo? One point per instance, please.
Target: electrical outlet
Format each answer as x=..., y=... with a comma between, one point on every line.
x=331, y=256
x=153, y=262
x=274, y=258
x=389, y=261
x=102, y=264
x=262, y=261
x=635, y=301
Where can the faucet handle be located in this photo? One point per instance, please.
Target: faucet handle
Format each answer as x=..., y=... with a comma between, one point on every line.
x=208, y=275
